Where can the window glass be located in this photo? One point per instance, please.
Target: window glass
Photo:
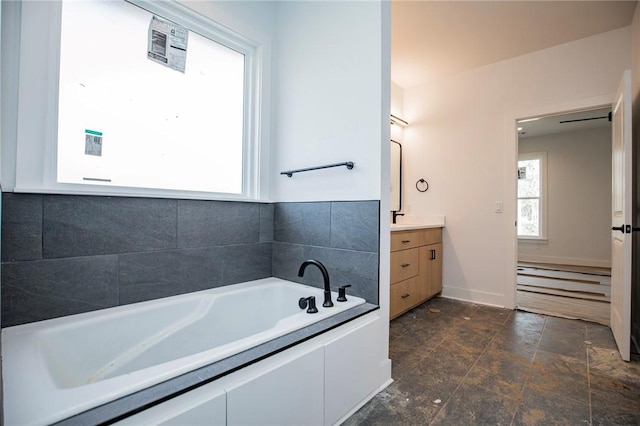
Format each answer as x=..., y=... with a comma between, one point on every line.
x=124, y=120
x=530, y=195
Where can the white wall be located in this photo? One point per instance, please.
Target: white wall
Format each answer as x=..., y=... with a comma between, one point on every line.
x=328, y=92
x=462, y=139
x=578, y=198
x=397, y=109
x=332, y=104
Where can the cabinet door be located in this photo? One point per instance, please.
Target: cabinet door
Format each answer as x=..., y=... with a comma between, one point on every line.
x=352, y=367
x=205, y=406
x=289, y=394
x=430, y=270
x=436, y=269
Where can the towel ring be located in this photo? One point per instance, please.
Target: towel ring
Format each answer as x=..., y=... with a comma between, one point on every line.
x=422, y=185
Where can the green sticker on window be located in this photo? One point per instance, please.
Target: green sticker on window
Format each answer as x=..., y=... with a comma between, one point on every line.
x=93, y=143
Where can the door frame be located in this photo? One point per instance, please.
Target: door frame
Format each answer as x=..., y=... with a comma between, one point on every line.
x=510, y=178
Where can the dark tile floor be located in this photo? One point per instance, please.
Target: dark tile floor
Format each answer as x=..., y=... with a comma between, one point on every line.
x=457, y=363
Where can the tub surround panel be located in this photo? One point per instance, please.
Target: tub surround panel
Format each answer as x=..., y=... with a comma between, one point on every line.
x=303, y=223
x=246, y=262
x=90, y=225
x=21, y=227
x=160, y=247
x=145, y=276
x=207, y=223
x=345, y=241
x=266, y=222
x=39, y=290
x=360, y=269
x=354, y=225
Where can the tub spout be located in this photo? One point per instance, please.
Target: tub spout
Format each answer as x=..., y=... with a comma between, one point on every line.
x=325, y=276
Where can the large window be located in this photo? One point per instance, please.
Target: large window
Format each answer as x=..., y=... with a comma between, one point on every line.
x=120, y=121
x=531, y=195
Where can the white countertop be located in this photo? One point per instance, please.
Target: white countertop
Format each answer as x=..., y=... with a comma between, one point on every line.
x=432, y=222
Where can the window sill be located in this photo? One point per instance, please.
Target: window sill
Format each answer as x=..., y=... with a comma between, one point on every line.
x=532, y=240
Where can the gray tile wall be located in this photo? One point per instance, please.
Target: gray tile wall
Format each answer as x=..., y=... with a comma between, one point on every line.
x=63, y=255
x=343, y=235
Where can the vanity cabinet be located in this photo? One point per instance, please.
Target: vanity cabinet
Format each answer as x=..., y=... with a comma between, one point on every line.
x=416, y=268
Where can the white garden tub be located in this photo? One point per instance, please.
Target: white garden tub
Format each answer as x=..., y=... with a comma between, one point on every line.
x=56, y=368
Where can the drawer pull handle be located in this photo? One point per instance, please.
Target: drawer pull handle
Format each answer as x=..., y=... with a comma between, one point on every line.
x=404, y=265
x=433, y=255
x=404, y=296
x=406, y=241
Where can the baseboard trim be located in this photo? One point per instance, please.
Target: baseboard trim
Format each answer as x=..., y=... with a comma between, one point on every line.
x=475, y=296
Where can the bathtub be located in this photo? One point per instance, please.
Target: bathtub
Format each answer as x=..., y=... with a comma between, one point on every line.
x=57, y=368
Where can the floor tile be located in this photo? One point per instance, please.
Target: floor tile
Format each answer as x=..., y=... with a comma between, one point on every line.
x=395, y=405
x=564, y=341
x=472, y=405
x=540, y=408
x=501, y=372
x=559, y=375
x=600, y=336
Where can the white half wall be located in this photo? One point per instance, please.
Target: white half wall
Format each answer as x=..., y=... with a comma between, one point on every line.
x=462, y=140
x=328, y=100
x=578, y=198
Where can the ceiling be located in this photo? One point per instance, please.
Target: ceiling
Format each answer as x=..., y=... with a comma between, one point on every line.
x=584, y=120
x=431, y=39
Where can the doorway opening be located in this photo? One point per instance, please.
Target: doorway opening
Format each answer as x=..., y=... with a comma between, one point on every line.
x=564, y=215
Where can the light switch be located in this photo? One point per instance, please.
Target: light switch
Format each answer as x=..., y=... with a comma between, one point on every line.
x=499, y=206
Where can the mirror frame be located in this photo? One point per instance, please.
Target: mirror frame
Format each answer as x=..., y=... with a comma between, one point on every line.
x=399, y=177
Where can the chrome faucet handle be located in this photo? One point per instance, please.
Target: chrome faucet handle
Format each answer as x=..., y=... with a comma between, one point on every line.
x=310, y=301
x=342, y=293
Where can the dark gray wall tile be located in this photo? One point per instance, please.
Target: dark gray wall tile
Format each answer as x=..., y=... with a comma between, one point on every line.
x=152, y=275
x=214, y=223
x=355, y=225
x=303, y=223
x=360, y=269
x=21, y=227
x=266, y=222
x=43, y=289
x=287, y=259
x=82, y=226
x=246, y=262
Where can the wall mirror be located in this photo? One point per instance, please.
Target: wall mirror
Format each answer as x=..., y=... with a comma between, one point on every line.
x=396, y=176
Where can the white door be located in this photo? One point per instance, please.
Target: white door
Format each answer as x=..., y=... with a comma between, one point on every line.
x=622, y=192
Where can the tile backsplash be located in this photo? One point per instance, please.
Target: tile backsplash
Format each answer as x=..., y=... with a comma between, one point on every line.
x=65, y=254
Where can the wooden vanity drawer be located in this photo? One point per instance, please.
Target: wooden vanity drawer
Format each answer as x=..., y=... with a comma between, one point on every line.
x=404, y=295
x=402, y=240
x=432, y=236
x=404, y=264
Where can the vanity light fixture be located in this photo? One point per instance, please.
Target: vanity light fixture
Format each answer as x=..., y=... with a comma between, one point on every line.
x=399, y=121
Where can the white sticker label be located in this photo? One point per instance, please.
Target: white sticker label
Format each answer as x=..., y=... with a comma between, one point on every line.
x=167, y=44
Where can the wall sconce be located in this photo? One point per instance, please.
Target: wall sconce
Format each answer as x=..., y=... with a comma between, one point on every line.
x=398, y=121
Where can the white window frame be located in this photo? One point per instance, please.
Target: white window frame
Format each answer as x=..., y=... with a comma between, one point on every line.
x=36, y=150
x=542, y=156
